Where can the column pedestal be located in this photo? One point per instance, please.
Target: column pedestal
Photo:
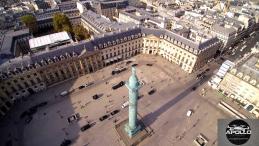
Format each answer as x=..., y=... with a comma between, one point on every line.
x=132, y=132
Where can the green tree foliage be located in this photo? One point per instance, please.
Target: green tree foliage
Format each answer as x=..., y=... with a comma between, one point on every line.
x=61, y=23
x=81, y=33
x=30, y=22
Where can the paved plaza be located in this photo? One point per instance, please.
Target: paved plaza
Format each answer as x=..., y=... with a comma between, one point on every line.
x=164, y=111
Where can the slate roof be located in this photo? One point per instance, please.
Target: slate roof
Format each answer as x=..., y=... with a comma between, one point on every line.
x=95, y=44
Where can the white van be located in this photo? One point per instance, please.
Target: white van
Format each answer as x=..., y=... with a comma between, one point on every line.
x=64, y=93
x=125, y=104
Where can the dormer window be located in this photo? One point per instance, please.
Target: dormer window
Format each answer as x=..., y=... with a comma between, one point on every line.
x=125, y=38
x=246, y=78
x=233, y=71
x=253, y=82
x=105, y=45
x=95, y=47
x=240, y=75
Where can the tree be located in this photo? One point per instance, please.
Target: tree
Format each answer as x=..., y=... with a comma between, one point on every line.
x=81, y=33
x=61, y=23
x=30, y=22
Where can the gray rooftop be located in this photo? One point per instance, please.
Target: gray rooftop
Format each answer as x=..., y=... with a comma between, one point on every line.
x=101, y=23
x=251, y=67
x=97, y=43
x=7, y=44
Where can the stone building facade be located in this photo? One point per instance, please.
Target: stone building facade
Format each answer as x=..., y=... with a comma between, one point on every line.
x=241, y=83
x=26, y=75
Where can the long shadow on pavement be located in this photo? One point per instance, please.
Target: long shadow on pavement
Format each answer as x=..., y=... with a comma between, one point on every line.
x=152, y=117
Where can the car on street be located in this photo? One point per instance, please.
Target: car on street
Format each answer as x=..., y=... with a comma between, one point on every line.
x=125, y=104
x=194, y=88
x=189, y=113
x=203, y=76
x=198, y=75
x=149, y=64
x=81, y=87
x=64, y=93
x=207, y=69
x=140, y=96
x=95, y=97
x=89, y=84
x=118, y=70
x=221, y=58
x=151, y=91
x=103, y=117
x=128, y=62
x=118, y=85
x=74, y=117
x=134, y=65
x=85, y=127
x=66, y=142
x=115, y=112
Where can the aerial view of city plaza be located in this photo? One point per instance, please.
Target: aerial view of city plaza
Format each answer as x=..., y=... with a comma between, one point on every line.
x=126, y=72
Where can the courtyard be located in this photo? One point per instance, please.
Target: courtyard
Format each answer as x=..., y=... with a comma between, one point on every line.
x=164, y=111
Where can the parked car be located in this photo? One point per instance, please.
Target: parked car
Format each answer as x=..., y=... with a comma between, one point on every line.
x=89, y=84
x=66, y=142
x=149, y=64
x=189, y=113
x=115, y=112
x=118, y=70
x=151, y=91
x=203, y=76
x=64, y=93
x=128, y=62
x=95, y=97
x=134, y=64
x=194, y=88
x=198, y=75
x=116, y=86
x=207, y=69
x=85, y=127
x=74, y=117
x=140, y=96
x=125, y=104
x=103, y=117
x=81, y=87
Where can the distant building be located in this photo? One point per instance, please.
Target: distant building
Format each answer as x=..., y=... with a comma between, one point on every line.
x=14, y=44
x=101, y=24
x=40, y=4
x=230, y=31
x=22, y=76
x=142, y=17
x=44, y=18
x=48, y=42
x=108, y=8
